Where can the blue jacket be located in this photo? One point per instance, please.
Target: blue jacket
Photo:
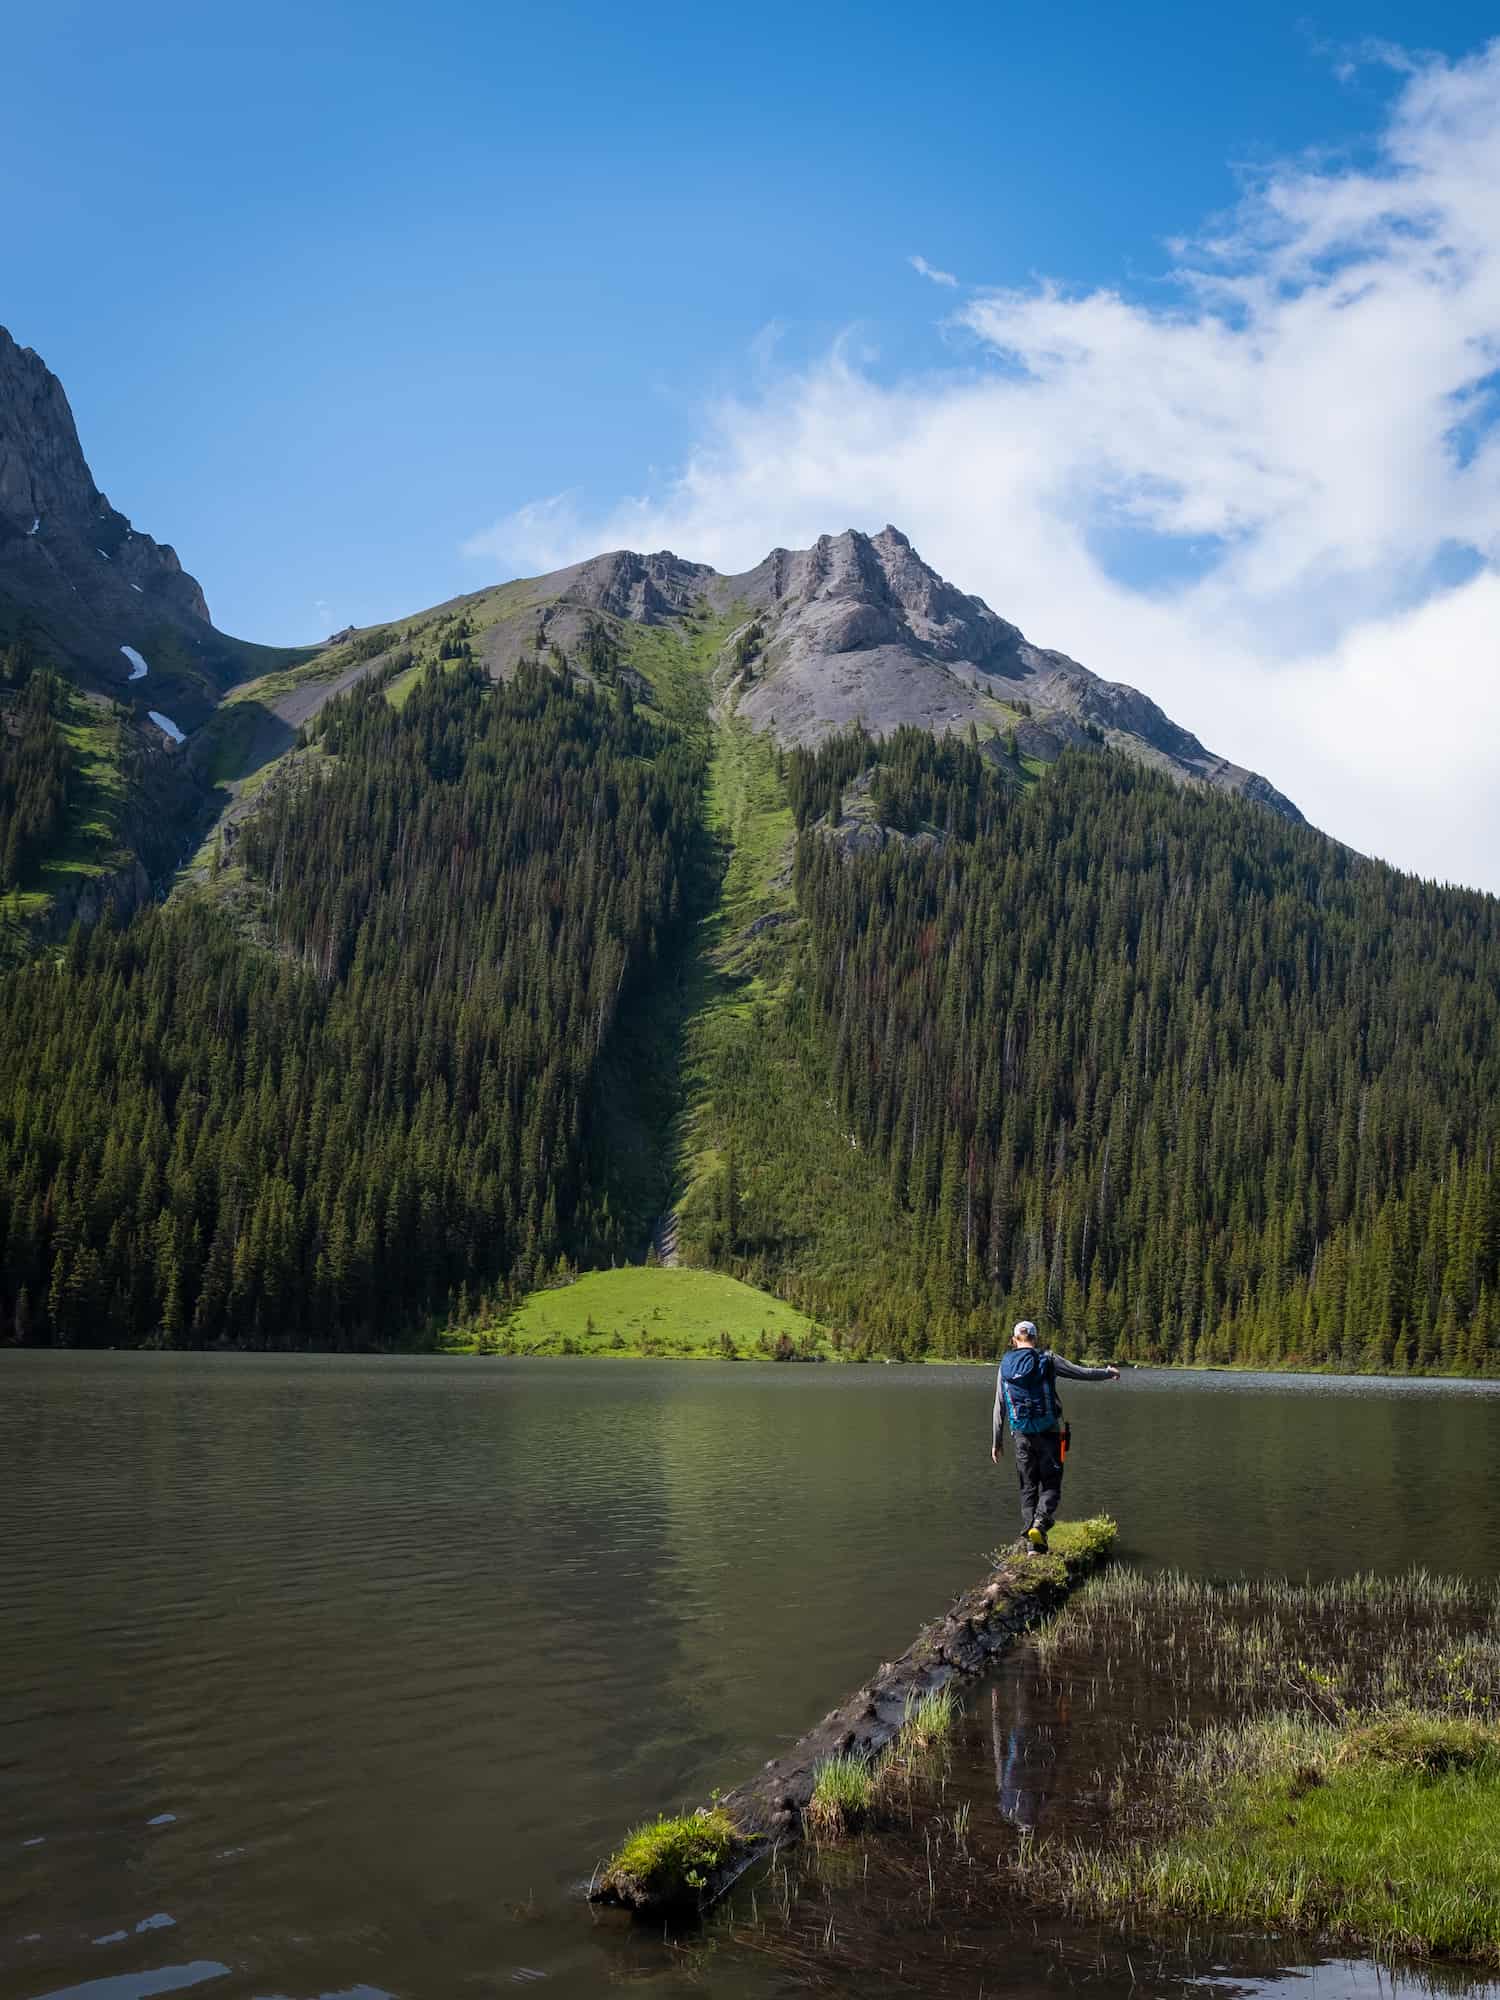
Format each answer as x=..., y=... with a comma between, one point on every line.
x=1060, y=1367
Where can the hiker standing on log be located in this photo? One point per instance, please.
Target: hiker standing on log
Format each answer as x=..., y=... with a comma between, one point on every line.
x=1026, y=1400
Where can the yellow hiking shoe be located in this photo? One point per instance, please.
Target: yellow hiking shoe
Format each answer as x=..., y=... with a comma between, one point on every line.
x=1037, y=1537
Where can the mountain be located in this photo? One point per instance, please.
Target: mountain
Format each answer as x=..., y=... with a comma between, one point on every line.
x=809, y=924
x=855, y=629
x=80, y=581
x=96, y=802
x=859, y=629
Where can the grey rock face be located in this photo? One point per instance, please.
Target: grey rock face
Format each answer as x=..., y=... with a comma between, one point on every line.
x=644, y=589
x=859, y=629
x=70, y=564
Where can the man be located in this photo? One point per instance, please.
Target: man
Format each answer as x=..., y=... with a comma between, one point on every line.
x=1026, y=1400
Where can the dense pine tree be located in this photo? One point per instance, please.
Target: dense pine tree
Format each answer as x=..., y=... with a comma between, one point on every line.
x=1188, y=1081
x=373, y=1114
x=35, y=766
x=1172, y=1075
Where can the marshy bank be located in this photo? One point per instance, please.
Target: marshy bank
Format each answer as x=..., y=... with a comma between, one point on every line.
x=1180, y=1781
x=846, y=1767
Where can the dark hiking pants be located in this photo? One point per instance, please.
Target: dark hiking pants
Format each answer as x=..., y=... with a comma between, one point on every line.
x=1039, y=1468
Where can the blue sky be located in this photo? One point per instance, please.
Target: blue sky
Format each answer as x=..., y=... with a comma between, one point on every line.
x=364, y=306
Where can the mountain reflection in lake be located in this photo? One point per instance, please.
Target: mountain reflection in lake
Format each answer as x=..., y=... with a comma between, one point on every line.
x=353, y=1668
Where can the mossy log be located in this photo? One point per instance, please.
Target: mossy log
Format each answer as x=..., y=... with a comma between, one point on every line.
x=766, y=1812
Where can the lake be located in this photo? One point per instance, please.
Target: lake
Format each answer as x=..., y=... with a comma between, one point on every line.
x=334, y=1676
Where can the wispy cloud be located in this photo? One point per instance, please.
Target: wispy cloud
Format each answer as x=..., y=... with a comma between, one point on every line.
x=1269, y=496
x=530, y=537
x=930, y=271
x=763, y=346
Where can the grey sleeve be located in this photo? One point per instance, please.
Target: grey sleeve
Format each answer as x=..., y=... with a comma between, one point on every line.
x=997, y=1420
x=1076, y=1374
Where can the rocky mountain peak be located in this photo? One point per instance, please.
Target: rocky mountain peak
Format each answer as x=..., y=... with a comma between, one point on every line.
x=42, y=467
x=72, y=567
x=860, y=629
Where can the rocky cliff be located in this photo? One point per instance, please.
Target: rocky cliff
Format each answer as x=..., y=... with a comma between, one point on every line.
x=77, y=575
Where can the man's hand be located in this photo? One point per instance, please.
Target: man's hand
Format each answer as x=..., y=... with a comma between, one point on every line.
x=994, y=1454
x=1114, y=1374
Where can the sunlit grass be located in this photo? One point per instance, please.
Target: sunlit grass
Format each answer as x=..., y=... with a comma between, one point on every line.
x=928, y=1720
x=666, y=1863
x=1383, y=1834
x=842, y=1795
x=1357, y=1799
x=646, y=1310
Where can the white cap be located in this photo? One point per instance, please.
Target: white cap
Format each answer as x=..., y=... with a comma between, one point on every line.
x=1024, y=1326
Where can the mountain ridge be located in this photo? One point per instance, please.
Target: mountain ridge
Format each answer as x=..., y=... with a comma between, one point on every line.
x=855, y=628
x=858, y=628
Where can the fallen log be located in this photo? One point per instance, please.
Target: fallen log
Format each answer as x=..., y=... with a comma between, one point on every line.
x=676, y=1866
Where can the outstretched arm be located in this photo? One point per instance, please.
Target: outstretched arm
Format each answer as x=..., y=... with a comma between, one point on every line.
x=1077, y=1374
x=997, y=1424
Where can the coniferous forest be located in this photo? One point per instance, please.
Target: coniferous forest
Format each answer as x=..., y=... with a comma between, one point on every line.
x=370, y=1112
x=1179, y=1078
x=1182, y=1079
x=35, y=765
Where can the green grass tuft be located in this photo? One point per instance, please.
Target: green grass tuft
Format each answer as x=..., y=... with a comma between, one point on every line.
x=666, y=1863
x=1415, y=1742
x=928, y=1721
x=842, y=1795
x=1074, y=1548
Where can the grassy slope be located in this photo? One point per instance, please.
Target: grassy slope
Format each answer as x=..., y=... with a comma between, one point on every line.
x=645, y=1309
x=718, y=1055
x=92, y=843
x=640, y=1097
x=811, y=1202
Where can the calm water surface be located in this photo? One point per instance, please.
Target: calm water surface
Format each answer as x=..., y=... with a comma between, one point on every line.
x=333, y=1676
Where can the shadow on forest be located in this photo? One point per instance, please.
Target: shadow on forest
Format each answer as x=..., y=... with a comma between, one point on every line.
x=641, y=1107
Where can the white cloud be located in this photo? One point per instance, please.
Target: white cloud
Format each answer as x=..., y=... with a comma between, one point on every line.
x=1270, y=497
x=763, y=347
x=527, y=540
x=930, y=271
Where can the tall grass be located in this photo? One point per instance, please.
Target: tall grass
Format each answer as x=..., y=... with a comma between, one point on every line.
x=842, y=1794
x=1384, y=1835
x=1333, y=1647
x=927, y=1720
x=849, y=1789
x=1354, y=1791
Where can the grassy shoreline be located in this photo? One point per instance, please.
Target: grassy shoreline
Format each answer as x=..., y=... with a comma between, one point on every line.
x=1378, y=1832
x=689, y=1312
x=1340, y=1780
x=1202, y=1778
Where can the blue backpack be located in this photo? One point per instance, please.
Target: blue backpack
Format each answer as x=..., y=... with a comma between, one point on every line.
x=1027, y=1384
